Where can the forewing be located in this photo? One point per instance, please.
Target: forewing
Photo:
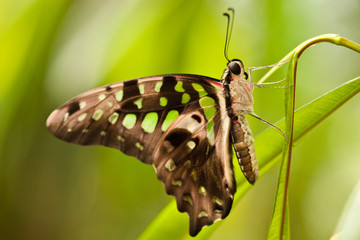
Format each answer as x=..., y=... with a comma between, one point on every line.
x=130, y=116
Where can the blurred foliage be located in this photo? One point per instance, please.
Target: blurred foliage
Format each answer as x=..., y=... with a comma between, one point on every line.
x=52, y=50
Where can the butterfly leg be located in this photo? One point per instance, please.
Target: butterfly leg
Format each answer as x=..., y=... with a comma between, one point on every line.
x=251, y=69
x=266, y=85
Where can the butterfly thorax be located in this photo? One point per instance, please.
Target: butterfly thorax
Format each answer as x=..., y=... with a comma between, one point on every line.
x=238, y=93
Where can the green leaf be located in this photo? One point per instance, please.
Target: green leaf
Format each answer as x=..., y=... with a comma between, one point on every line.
x=280, y=226
x=348, y=226
x=269, y=146
x=23, y=61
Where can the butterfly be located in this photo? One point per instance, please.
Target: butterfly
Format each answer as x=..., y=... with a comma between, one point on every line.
x=184, y=125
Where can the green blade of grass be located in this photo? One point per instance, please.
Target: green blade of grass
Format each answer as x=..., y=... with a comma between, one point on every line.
x=349, y=221
x=268, y=145
x=25, y=46
x=279, y=226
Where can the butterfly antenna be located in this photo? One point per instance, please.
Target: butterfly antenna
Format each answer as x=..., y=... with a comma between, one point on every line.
x=229, y=27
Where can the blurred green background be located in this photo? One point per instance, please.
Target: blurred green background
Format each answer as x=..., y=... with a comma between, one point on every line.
x=51, y=51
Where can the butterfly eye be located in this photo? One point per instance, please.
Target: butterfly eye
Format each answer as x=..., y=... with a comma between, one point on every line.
x=234, y=67
x=246, y=75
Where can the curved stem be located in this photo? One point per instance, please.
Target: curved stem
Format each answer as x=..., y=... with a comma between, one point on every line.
x=331, y=38
x=281, y=200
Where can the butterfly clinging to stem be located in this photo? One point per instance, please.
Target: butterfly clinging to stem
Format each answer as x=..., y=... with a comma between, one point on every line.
x=184, y=125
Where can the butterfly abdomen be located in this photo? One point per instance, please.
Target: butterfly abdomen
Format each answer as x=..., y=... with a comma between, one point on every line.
x=242, y=141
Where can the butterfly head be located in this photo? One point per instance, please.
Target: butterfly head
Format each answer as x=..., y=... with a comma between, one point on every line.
x=237, y=70
x=239, y=88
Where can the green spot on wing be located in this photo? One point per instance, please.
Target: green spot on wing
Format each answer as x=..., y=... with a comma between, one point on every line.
x=138, y=103
x=163, y=101
x=66, y=116
x=217, y=200
x=193, y=175
x=119, y=95
x=191, y=144
x=82, y=117
x=82, y=104
x=185, y=98
x=129, y=121
x=210, y=132
x=207, y=102
x=113, y=118
x=170, y=165
x=142, y=88
x=209, y=112
x=188, y=199
x=179, y=87
x=169, y=119
x=202, y=214
x=101, y=97
x=202, y=190
x=139, y=146
x=150, y=121
x=158, y=86
x=177, y=183
x=97, y=114
x=199, y=89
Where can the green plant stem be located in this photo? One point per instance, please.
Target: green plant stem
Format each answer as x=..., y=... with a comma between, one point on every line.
x=281, y=201
x=330, y=37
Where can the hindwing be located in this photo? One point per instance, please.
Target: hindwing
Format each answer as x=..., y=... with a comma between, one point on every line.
x=193, y=160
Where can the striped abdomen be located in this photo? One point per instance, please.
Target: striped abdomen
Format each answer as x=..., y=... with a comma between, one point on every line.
x=242, y=141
